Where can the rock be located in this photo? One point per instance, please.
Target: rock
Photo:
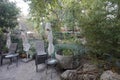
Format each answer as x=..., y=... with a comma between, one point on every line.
x=85, y=72
x=109, y=75
x=89, y=67
x=89, y=77
x=65, y=75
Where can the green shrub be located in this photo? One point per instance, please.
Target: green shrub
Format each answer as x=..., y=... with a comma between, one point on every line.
x=102, y=32
x=66, y=52
x=76, y=49
x=15, y=39
x=2, y=41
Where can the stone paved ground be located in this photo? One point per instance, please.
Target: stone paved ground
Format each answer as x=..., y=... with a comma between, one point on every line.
x=27, y=71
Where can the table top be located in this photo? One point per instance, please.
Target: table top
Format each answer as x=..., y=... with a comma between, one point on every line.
x=11, y=55
x=51, y=61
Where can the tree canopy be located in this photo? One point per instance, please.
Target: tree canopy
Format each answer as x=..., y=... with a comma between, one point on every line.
x=101, y=25
x=8, y=14
x=99, y=20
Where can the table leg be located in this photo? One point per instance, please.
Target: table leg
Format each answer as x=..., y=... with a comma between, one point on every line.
x=1, y=61
x=9, y=63
x=17, y=61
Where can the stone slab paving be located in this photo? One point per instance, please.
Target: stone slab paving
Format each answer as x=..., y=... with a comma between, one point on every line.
x=27, y=71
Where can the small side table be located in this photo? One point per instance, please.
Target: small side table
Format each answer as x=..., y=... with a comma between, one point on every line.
x=11, y=57
x=52, y=63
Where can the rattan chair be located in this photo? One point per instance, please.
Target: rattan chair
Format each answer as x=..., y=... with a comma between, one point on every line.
x=11, y=53
x=41, y=55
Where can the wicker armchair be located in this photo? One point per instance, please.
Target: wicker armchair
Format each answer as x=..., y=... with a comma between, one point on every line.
x=41, y=55
x=12, y=51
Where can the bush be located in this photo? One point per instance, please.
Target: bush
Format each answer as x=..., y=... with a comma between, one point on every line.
x=76, y=49
x=2, y=41
x=15, y=39
x=102, y=31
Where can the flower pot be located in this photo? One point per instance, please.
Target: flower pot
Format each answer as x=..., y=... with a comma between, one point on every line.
x=23, y=55
x=64, y=61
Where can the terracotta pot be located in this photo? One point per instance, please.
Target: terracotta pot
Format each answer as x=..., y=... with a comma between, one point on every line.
x=23, y=55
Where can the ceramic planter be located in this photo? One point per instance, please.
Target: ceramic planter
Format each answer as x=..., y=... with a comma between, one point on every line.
x=64, y=61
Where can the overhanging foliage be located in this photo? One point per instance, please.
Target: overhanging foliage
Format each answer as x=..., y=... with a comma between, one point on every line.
x=8, y=14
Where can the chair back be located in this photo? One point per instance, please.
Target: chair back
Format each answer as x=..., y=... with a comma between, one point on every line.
x=41, y=55
x=40, y=46
x=13, y=47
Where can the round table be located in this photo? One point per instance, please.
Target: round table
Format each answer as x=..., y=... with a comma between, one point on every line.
x=52, y=63
x=11, y=57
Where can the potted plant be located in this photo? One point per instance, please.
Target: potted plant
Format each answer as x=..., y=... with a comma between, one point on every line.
x=22, y=54
x=4, y=49
x=65, y=58
x=64, y=55
x=68, y=55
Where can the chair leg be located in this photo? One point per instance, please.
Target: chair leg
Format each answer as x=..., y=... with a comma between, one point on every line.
x=9, y=63
x=17, y=61
x=46, y=68
x=51, y=74
x=36, y=68
x=1, y=61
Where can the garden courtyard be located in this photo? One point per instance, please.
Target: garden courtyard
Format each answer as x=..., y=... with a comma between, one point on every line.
x=60, y=39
